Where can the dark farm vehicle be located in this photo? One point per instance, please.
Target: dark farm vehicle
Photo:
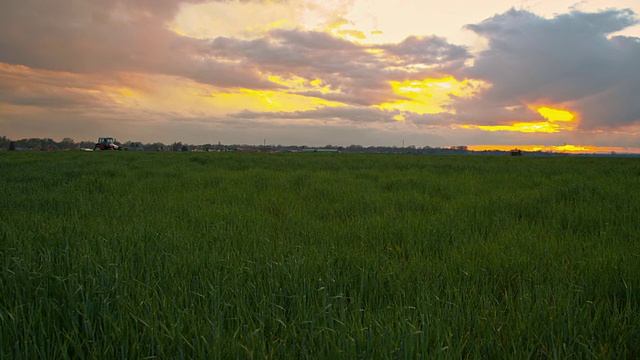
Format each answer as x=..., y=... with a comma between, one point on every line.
x=105, y=143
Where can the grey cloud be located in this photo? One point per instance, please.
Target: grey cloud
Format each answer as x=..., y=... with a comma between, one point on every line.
x=362, y=78
x=351, y=114
x=430, y=120
x=314, y=40
x=49, y=90
x=565, y=60
x=114, y=36
x=107, y=36
x=428, y=50
x=354, y=96
x=296, y=52
x=481, y=111
x=617, y=104
x=344, y=66
x=355, y=115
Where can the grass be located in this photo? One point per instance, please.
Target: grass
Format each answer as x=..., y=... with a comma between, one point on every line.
x=136, y=255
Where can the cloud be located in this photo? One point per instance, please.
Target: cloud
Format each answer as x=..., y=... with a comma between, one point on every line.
x=568, y=60
x=343, y=65
x=343, y=114
x=122, y=62
x=428, y=50
x=109, y=36
x=357, y=74
x=21, y=86
x=112, y=36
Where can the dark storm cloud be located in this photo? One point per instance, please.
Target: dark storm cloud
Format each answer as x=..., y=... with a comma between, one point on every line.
x=568, y=60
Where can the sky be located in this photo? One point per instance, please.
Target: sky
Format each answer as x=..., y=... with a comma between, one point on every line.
x=495, y=74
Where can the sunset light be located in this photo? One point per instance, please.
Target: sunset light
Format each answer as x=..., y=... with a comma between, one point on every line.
x=255, y=100
x=329, y=179
x=554, y=115
x=557, y=120
x=318, y=72
x=429, y=96
x=566, y=148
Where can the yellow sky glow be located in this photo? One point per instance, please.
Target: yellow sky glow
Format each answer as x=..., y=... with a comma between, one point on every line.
x=428, y=96
x=556, y=120
x=268, y=101
x=554, y=115
x=180, y=96
x=365, y=21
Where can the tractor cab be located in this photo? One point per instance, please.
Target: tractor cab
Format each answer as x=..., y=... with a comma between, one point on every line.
x=106, y=143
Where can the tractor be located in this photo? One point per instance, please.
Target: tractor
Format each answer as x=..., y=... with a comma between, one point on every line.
x=105, y=143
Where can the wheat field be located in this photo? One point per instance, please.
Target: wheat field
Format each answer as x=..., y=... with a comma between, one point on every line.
x=218, y=255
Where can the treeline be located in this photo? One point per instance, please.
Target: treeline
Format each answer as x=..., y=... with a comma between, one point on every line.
x=70, y=144
x=41, y=144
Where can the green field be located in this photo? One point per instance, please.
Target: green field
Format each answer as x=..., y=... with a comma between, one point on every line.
x=203, y=255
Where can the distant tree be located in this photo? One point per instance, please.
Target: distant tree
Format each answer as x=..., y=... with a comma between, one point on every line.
x=133, y=145
x=31, y=143
x=48, y=144
x=176, y=146
x=12, y=146
x=67, y=143
x=87, y=144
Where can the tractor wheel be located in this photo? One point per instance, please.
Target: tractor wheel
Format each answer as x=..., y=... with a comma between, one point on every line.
x=97, y=148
